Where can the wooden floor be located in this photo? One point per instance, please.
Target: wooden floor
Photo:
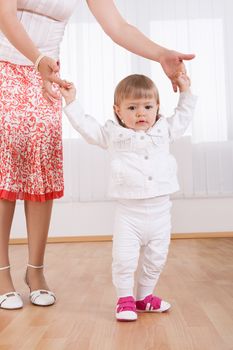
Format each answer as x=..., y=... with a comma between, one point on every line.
x=197, y=280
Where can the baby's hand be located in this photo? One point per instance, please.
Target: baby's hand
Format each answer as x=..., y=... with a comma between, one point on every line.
x=68, y=92
x=182, y=81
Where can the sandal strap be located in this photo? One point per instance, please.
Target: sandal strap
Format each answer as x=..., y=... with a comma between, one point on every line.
x=35, y=267
x=36, y=293
x=4, y=297
x=5, y=268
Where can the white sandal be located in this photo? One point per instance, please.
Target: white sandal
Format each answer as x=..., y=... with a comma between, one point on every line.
x=10, y=300
x=41, y=297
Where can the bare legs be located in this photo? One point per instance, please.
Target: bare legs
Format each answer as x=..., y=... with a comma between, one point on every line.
x=7, y=209
x=38, y=219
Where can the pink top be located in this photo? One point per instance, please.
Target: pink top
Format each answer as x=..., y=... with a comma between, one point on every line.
x=44, y=21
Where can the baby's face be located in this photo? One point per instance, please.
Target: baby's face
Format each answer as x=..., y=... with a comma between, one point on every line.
x=138, y=114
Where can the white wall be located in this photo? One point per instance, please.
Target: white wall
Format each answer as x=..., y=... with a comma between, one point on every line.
x=96, y=218
x=73, y=216
x=86, y=211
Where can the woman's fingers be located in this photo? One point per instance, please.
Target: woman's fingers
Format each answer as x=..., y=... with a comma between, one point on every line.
x=48, y=88
x=185, y=56
x=55, y=67
x=48, y=91
x=55, y=79
x=174, y=85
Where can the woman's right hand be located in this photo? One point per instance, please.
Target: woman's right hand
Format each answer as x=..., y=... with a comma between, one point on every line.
x=49, y=69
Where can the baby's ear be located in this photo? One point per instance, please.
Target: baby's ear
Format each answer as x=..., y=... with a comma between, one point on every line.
x=116, y=109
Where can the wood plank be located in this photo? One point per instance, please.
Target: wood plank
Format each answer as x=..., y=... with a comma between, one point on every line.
x=197, y=280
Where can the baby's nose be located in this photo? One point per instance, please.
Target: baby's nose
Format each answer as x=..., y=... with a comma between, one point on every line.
x=140, y=112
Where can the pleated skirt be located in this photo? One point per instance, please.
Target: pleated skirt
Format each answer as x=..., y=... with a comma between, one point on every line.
x=31, y=160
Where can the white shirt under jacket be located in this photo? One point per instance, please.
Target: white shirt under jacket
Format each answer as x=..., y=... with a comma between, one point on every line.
x=141, y=164
x=44, y=22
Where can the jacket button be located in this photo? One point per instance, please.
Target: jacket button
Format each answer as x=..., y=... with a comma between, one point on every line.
x=146, y=157
x=120, y=135
x=158, y=130
x=142, y=137
x=150, y=178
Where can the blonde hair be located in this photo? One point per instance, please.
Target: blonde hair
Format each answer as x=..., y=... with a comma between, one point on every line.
x=135, y=86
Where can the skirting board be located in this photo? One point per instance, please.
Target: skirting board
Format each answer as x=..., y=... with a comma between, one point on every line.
x=76, y=239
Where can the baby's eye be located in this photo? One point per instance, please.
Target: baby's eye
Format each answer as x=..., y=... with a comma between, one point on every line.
x=148, y=107
x=131, y=108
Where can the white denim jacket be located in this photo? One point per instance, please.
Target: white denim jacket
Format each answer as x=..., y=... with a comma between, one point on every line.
x=141, y=164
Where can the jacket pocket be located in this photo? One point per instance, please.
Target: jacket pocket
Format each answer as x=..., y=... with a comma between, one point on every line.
x=160, y=137
x=125, y=176
x=122, y=144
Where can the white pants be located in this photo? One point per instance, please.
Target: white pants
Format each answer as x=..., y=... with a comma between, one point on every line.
x=140, y=224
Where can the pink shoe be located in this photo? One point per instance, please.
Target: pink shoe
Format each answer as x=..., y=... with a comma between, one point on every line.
x=151, y=303
x=126, y=309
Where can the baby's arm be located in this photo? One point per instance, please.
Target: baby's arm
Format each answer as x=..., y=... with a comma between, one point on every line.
x=180, y=120
x=87, y=126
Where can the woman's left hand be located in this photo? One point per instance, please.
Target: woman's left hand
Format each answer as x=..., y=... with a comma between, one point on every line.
x=172, y=64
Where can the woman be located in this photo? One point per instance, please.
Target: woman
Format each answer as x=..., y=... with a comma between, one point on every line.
x=30, y=124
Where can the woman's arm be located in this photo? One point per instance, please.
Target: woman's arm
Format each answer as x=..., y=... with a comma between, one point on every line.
x=133, y=40
x=14, y=31
x=18, y=37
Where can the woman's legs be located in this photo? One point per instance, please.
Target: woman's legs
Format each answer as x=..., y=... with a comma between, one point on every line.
x=38, y=219
x=7, y=209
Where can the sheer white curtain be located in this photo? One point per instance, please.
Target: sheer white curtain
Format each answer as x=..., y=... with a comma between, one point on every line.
x=95, y=65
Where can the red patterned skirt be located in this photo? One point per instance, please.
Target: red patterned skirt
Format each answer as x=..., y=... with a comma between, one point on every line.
x=31, y=164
